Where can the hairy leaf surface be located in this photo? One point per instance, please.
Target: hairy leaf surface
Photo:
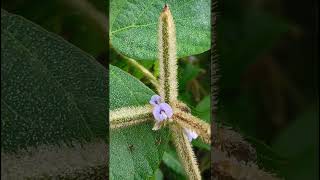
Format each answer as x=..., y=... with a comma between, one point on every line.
x=136, y=151
x=134, y=26
x=51, y=91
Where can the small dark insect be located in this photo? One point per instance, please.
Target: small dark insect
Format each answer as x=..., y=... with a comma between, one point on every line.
x=131, y=148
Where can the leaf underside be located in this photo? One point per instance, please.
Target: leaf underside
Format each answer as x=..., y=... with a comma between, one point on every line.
x=51, y=91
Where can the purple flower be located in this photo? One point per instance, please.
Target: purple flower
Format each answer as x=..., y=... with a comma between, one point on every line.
x=155, y=100
x=190, y=134
x=162, y=112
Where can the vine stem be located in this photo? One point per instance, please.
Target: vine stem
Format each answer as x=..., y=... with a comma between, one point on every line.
x=153, y=80
x=144, y=71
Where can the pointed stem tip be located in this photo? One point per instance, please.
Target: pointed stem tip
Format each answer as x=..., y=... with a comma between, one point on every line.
x=165, y=8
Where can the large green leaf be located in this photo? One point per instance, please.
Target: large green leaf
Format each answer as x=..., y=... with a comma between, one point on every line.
x=134, y=24
x=136, y=151
x=51, y=92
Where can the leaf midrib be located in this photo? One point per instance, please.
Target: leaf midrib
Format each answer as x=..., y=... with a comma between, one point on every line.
x=143, y=25
x=133, y=25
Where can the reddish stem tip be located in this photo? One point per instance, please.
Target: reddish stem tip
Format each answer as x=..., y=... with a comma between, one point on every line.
x=166, y=7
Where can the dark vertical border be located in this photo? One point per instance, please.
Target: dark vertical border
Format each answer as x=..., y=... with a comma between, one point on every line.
x=214, y=73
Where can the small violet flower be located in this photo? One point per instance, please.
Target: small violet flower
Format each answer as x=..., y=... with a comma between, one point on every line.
x=190, y=134
x=155, y=100
x=161, y=111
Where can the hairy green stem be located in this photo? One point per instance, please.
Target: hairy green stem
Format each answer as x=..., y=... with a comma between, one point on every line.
x=189, y=121
x=128, y=116
x=185, y=152
x=167, y=56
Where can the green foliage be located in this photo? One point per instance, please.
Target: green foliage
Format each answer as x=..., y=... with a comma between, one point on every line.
x=203, y=109
x=187, y=73
x=170, y=159
x=258, y=52
x=299, y=144
x=133, y=27
x=133, y=33
x=136, y=151
x=158, y=175
x=51, y=91
x=171, y=165
x=61, y=18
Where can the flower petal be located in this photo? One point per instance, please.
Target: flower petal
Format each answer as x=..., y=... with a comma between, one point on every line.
x=156, y=113
x=190, y=134
x=167, y=109
x=155, y=100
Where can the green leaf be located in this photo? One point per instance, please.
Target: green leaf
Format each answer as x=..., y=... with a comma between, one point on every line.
x=133, y=27
x=136, y=151
x=186, y=74
x=171, y=160
x=158, y=175
x=51, y=92
x=60, y=18
x=200, y=144
x=300, y=144
x=203, y=110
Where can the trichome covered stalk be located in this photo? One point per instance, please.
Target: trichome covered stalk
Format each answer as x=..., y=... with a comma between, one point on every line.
x=169, y=90
x=167, y=56
x=185, y=152
x=127, y=116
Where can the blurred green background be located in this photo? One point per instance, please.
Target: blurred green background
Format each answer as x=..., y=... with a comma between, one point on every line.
x=269, y=81
x=69, y=19
x=268, y=89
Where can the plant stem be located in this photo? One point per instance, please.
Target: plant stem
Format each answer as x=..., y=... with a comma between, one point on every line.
x=128, y=116
x=167, y=57
x=185, y=152
x=144, y=71
x=189, y=121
